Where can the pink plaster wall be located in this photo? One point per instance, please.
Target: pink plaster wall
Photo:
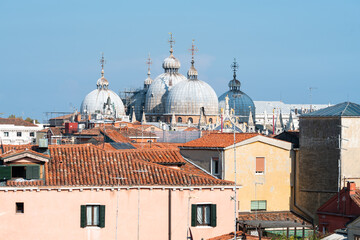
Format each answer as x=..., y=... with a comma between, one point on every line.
x=56, y=215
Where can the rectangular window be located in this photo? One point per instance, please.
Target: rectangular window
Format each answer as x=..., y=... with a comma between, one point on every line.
x=32, y=134
x=260, y=165
x=6, y=134
x=258, y=205
x=18, y=134
x=215, y=166
x=356, y=237
x=203, y=215
x=19, y=207
x=92, y=216
x=18, y=172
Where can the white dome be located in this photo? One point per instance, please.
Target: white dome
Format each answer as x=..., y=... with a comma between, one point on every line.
x=96, y=101
x=189, y=96
x=171, y=63
x=158, y=91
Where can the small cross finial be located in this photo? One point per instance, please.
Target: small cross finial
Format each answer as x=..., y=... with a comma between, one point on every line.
x=172, y=42
x=149, y=62
x=234, y=66
x=193, y=49
x=102, y=61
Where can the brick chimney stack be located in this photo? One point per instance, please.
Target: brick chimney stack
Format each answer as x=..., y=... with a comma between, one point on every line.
x=351, y=186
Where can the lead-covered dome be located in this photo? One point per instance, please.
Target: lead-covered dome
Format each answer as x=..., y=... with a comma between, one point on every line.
x=102, y=100
x=189, y=96
x=160, y=87
x=238, y=100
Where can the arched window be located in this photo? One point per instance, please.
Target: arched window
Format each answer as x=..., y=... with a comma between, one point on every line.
x=190, y=120
x=158, y=119
x=210, y=120
x=179, y=119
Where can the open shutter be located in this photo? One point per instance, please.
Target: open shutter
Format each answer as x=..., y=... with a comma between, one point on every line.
x=32, y=172
x=213, y=215
x=102, y=216
x=82, y=216
x=193, y=215
x=5, y=172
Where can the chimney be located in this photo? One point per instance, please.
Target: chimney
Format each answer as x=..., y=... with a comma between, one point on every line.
x=351, y=186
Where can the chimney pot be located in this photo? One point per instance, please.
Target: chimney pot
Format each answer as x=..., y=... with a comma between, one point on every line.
x=351, y=187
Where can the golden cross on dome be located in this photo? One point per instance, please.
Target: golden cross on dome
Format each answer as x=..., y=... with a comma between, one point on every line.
x=171, y=41
x=234, y=66
x=193, y=49
x=149, y=62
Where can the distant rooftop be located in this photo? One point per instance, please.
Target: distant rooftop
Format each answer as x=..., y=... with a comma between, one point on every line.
x=342, y=109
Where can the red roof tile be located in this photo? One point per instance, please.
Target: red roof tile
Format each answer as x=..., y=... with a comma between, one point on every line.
x=65, y=117
x=114, y=135
x=7, y=147
x=271, y=216
x=87, y=165
x=16, y=122
x=13, y=152
x=219, y=140
x=230, y=236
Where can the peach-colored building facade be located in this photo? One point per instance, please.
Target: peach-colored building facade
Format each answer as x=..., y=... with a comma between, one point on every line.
x=84, y=192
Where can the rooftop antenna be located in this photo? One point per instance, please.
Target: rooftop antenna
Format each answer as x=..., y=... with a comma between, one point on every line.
x=310, y=92
x=172, y=42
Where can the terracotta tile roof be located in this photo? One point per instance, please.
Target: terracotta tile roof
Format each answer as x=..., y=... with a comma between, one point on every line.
x=191, y=129
x=6, y=148
x=219, y=140
x=92, y=131
x=16, y=122
x=230, y=236
x=57, y=131
x=87, y=165
x=136, y=132
x=13, y=152
x=24, y=183
x=156, y=145
x=356, y=197
x=114, y=135
x=271, y=216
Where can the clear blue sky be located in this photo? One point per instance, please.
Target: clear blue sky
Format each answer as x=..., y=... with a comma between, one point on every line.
x=50, y=50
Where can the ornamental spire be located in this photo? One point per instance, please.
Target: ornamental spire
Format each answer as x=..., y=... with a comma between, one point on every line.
x=148, y=62
x=192, y=73
x=172, y=42
x=193, y=50
x=234, y=67
x=102, y=61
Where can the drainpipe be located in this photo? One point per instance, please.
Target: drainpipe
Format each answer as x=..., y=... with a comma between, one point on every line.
x=169, y=211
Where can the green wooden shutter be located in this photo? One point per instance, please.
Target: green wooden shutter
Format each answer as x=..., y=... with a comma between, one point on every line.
x=32, y=172
x=262, y=205
x=193, y=215
x=5, y=172
x=102, y=216
x=82, y=216
x=213, y=215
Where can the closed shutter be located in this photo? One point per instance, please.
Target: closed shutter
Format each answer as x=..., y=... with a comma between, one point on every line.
x=262, y=205
x=193, y=215
x=258, y=205
x=5, y=172
x=32, y=172
x=82, y=216
x=260, y=164
x=102, y=216
x=213, y=215
x=254, y=205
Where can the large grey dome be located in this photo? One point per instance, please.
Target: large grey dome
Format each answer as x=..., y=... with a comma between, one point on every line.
x=160, y=87
x=189, y=96
x=238, y=100
x=102, y=100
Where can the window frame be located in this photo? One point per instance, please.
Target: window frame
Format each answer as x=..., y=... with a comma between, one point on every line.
x=32, y=134
x=260, y=172
x=18, y=133
x=213, y=168
x=18, y=209
x=212, y=211
x=84, y=217
x=258, y=203
x=92, y=215
x=6, y=134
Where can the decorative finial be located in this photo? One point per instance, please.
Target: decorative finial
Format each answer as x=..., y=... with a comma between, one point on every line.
x=102, y=61
x=172, y=42
x=193, y=50
x=149, y=62
x=234, y=66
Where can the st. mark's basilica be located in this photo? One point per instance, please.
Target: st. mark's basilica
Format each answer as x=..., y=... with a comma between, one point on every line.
x=174, y=102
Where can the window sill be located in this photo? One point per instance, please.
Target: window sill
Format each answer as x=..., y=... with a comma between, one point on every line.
x=93, y=227
x=204, y=227
x=260, y=173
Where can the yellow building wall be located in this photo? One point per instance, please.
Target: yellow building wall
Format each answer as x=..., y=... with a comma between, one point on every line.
x=273, y=186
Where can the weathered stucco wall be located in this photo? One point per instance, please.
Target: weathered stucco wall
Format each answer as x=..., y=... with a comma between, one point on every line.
x=318, y=162
x=56, y=215
x=273, y=186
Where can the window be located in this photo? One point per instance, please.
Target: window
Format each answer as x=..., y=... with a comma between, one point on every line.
x=190, y=120
x=32, y=134
x=210, y=120
x=356, y=237
x=203, y=215
x=19, y=207
x=215, y=166
x=18, y=134
x=92, y=216
x=18, y=172
x=260, y=165
x=6, y=134
x=258, y=205
x=179, y=119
